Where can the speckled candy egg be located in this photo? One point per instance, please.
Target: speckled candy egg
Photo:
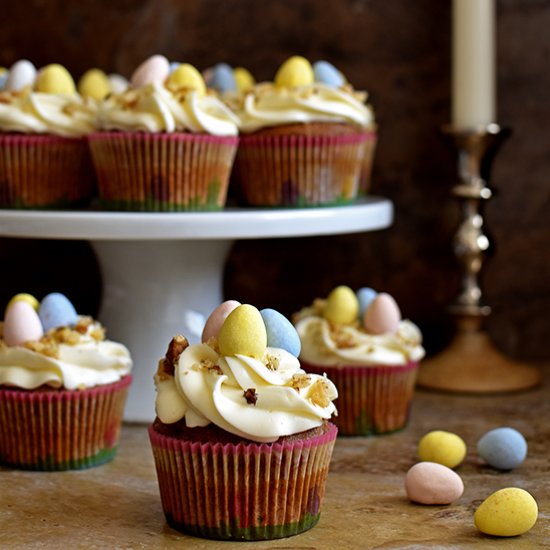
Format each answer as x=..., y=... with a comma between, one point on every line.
x=55, y=79
x=502, y=448
x=382, y=315
x=22, y=73
x=243, y=333
x=117, y=83
x=342, y=306
x=154, y=69
x=442, y=447
x=280, y=332
x=21, y=324
x=365, y=296
x=24, y=297
x=296, y=71
x=187, y=76
x=94, y=83
x=432, y=483
x=56, y=310
x=222, y=78
x=243, y=78
x=328, y=74
x=507, y=513
x=217, y=318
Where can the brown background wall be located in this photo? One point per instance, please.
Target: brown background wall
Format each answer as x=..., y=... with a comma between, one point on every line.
x=400, y=52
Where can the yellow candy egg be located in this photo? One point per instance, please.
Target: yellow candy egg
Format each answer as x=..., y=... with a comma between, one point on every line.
x=243, y=333
x=55, y=79
x=296, y=71
x=507, y=513
x=94, y=83
x=442, y=447
x=187, y=76
x=24, y=297
x=342, y=306
x=243, y=79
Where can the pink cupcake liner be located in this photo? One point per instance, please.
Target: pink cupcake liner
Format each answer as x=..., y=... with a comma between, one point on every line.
x=300, y=170
x=365, y=175
x=39, y=171
x=162, y=172
x=245, y=491
x=371, y=399
x=61, y=429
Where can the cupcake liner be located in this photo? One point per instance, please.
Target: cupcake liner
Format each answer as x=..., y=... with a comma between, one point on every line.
x=61, y=429
x=244, y=491
x=365, y=174
x=371, y=399
x=162, y=172
x=39, y=171
x=300, y=170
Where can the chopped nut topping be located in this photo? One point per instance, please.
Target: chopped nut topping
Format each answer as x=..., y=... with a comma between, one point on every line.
x=272, y=362
x=319, y=394
x=175, y=349
x=299, y=381
x=210, y=366
x=44, y=346
x=251, y=396
x=83, y=323
x=341, y=338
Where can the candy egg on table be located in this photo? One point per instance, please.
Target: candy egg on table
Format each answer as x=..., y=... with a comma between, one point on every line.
x=94, y=83
x=342, y=306
x=365, y=296
x=382, y=315
x=21, y=74
x=21, y=324
x=295, y=71
x=56, y=310
x=280, y=332
x=154, y=69
x=222, y=78
x=507, y=513
x=442, y=447
x=187, y=76
x=217, y=318
x=243, y=333
x=328, y=74
x=502, y=448
x=432, y=483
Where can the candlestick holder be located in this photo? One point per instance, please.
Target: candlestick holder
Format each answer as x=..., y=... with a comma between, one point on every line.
x=471, y=363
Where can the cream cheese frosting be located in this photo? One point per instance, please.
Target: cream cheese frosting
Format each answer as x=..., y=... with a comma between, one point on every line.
x=30, y=112
x=260, y=400
x=155, y=108
x=89, y=361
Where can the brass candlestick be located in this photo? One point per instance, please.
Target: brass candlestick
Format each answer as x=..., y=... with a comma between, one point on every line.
x=471, y=363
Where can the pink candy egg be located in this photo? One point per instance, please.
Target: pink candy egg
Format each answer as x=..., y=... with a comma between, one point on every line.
x=21, y=324
x=382, y=315
x=154, y=69
x=217, y=317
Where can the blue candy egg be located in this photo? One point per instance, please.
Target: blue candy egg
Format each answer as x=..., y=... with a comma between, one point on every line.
x=56, y=310
x=502, y=448
x=280, y=332
x=365, y=296
x=3, y=79
x=328, y=74
x=222, y=78
x=174, y=65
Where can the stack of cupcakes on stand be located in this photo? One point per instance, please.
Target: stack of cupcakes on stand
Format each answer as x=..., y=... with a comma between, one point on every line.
x=242, y=440
x=361, y=342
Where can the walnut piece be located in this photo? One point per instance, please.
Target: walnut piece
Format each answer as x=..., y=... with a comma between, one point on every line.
x=251, y=396
x=319, y=394
x=175, y=349
x=299, y=381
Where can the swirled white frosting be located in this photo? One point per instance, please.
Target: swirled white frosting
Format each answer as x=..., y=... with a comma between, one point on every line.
x=154, y=108
x=210, y=388
x=269, y=105
x=31, y=112
x=325, y=344
x=85, y=364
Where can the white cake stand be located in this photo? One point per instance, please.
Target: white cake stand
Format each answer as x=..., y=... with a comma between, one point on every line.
x=159, y=267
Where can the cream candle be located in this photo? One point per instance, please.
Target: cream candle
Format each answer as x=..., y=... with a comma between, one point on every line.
x=473, y=57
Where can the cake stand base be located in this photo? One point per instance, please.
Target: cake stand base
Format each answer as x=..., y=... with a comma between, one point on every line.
x=472, y=364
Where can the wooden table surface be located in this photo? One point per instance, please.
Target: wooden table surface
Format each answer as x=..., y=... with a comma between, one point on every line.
x=118, y=506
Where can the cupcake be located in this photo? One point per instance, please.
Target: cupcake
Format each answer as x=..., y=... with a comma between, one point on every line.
x=303, y=137
x=62, y=387
x=242, y=440
x=44, y=158
x=368, y=351
x=165, y=144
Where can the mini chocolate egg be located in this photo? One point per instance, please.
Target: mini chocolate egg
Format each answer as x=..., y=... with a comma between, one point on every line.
x=295, y=71
x=21, y=324
x=186, y=76
x=502, y=448
x=22, y=73
x=328, y=74
x=342, y=306
x=55, y=79
x=4, y=74
x=216, y=319
x=243, y=333
x=243, y=78
x=432, y=483
x=280, y=332
x=118, y=83
x=56, y=310
x=174, y=65
x=222, y=78
x=382, y=315
x=442, y=447
x=154, y=69
x=365, y=296
x=94, y=83
x=29, y=298
x=507, y=513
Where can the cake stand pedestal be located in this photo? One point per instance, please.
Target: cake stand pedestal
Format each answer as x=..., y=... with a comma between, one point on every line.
x=157, y=268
